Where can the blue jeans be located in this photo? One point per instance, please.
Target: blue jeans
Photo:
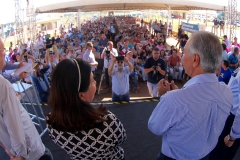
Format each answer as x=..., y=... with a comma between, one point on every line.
x=176, y=75
x=116, y=98
x=153, y=89
x=182, y=48
x=106, y=77
x=135, y=78
x=144, y=75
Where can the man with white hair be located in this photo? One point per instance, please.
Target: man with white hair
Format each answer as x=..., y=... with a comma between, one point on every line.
x=191, y=119
x=18, y=135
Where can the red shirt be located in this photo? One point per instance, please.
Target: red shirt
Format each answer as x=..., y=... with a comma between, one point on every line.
x=174, y=60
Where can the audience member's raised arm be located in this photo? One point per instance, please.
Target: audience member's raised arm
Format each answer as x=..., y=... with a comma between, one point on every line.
x=55, y=50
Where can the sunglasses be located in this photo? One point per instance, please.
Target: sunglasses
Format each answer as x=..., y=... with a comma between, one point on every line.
x=119, y=61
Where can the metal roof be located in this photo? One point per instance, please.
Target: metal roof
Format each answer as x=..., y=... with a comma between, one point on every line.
x=108, y=5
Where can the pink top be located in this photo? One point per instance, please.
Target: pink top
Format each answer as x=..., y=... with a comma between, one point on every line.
x=238, y=45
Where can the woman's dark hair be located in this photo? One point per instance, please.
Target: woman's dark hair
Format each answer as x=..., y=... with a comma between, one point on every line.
x=224, y=46
x=69, y=113
x=141, y=55
x=161, y=53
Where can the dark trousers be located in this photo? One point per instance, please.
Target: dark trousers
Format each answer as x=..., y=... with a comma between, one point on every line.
x=47, y=155
x=106, y=77
x=221, y=151
x=161, y=156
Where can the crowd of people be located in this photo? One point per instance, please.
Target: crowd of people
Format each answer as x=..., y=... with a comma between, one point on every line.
x=105, y=38
x=191, y=120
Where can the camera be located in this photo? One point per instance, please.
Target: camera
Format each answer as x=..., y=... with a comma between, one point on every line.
x=107, y=50
x=155, y=70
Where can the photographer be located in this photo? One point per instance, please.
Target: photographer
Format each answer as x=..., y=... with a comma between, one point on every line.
x=108, y=54
x=155, y=68
x=52, y=58
x=120, y=78
x=41, y=81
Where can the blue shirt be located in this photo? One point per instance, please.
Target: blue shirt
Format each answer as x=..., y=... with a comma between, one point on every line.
x=225, y=75
x=192, y=118
x=120, y=80
x=37, y=80
x=234, y=85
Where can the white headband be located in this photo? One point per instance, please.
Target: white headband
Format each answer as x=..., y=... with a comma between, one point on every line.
x=75, y=61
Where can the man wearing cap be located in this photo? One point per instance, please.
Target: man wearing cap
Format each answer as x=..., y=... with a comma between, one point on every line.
x=52, y=58
x=120, y=78
x=155, y=68
x=40, y=78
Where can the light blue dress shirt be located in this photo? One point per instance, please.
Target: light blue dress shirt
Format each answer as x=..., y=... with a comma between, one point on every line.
x=234, y=85
x=192, y=118
x=120, y=80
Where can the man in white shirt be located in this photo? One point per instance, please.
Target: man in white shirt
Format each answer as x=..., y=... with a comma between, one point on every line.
x=18, y=135
x=39, y=45
x=28, y=43
x=89, y=56
x=108, y=54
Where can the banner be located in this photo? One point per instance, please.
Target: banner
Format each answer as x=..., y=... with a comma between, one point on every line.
x=188, y=27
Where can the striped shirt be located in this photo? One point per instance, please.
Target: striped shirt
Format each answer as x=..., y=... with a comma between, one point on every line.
x=192, y=118
x=234, y=85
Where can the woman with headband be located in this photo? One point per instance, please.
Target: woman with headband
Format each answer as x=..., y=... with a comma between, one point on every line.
x=83, y=131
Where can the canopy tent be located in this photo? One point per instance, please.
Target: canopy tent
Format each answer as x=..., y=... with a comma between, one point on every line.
x=54, y=6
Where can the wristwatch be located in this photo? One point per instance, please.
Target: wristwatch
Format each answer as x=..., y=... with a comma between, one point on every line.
x=229, y=138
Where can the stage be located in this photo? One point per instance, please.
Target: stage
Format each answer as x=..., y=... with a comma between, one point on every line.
x=141, y=144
